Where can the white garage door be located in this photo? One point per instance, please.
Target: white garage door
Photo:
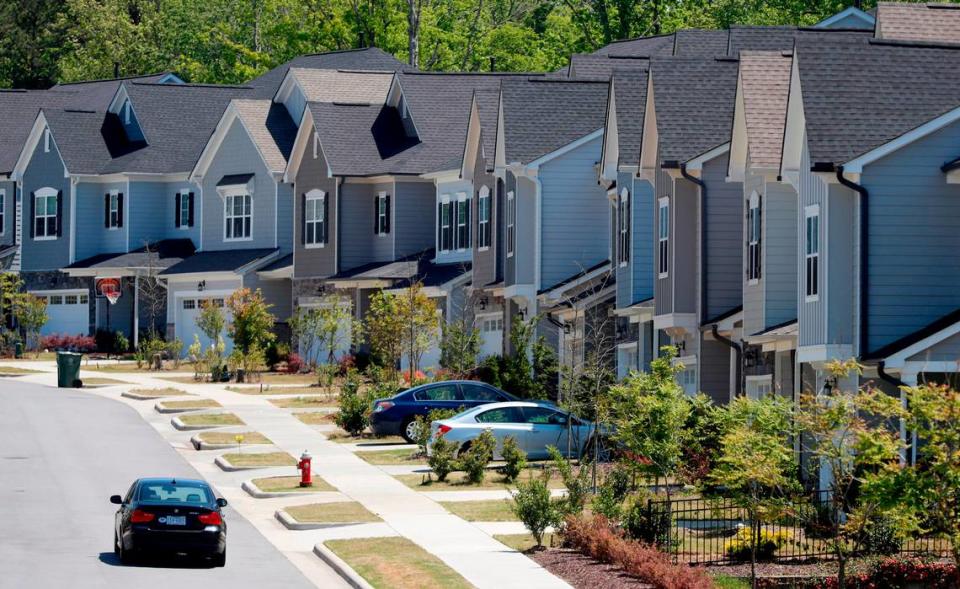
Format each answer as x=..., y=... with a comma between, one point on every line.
x=491, y=334
x=68, y=312
x=188, y=310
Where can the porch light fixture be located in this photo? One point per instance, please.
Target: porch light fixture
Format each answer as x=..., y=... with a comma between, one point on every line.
x=482, y=304
x=201, y=285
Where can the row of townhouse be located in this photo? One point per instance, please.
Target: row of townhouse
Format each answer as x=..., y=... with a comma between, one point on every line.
x=763, y=198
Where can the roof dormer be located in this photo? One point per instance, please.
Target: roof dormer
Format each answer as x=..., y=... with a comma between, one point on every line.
x=123, y=108
x=397, y=100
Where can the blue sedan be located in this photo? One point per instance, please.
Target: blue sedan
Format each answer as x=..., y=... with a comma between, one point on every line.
x=397, y=415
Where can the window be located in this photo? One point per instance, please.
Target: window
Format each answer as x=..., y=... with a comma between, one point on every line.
x=45, y=219
x=46, y=141
x=812, y=252
x=113, y=210
x=83, y=299
x=189, y=304
x=126, y=113
x=511, y=222
x=381, y=214
x=445, y=223
x=314, y=218
x=3, y=211
x=463, y=222
x=184, y=210
x=491, y=325
x=484, y=229
x=502, y=415
x=623, y=234
x=174, y=493
x=753, y=238
x=543, y=416
x=663, y=237
x=70, y=300
x=238, y=214
x=438, y=393
x=316, y=145
x=56, y=300
x=476, y=392
x=687, y=378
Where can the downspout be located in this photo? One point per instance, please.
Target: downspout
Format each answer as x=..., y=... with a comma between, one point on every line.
x=864, y=247
x=703, y=236
x=739, y=353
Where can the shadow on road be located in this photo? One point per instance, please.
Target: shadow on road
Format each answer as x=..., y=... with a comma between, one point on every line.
x=174, y=561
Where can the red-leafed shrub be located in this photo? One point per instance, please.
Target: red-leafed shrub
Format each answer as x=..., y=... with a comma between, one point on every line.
x=68, y=343
x=598, y=539
x=294, y=363
x=418, y=378
x=900, y=573
x=347, y=362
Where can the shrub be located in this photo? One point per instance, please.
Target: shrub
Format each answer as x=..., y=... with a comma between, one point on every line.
x=596, y=538
x=533, y=505
x=441, y=460
x=475, y=460
x=900, y=573
x=417, y=378
x=613, y=490
x=294, y=364
x=71, y=343
x=880, y=537
x=577, y=484
x=354, y=412
x=648, y=522
x=515, y=458
x=738, y=547
x=423, y=425
x=347, y=362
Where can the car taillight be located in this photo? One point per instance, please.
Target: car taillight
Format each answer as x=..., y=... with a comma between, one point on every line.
x=211, y=519
x=382, y=406
x=140, y=516
x=443, y=429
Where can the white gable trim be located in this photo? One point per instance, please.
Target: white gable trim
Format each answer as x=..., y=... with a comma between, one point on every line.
x=898, y=359
x=472, y=143
x=170, y=78
x=696, y=164
x=849, y=11
x=500, y=155
x=394, y=94
x=855, y=166
x=648, y=147
x=210, y=150
x=566, y=148
x=795, y=128
x=610, y=150
x=33, y=140
x=739, y=142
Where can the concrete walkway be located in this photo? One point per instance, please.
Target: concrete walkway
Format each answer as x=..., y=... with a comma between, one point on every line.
x=466, y=547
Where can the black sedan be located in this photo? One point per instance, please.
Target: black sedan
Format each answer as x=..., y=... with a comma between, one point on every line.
x=171, y=516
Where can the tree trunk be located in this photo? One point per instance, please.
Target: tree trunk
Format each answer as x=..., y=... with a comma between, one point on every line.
x=413, y=31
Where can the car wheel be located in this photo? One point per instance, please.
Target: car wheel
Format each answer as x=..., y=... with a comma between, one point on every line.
x=410, y=429
x=126, y=556
x=220, y=560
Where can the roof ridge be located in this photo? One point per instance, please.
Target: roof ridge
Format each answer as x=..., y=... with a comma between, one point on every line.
x=658, y=36
x=197, y=85
x=119, y=79
x=914, y=44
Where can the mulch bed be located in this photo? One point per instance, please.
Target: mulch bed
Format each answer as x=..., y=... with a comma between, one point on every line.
x=582, y=572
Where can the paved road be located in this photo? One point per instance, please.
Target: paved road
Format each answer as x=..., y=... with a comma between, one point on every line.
x=62, y=454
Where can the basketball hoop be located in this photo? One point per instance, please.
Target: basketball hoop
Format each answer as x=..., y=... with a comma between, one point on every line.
x=109, y=288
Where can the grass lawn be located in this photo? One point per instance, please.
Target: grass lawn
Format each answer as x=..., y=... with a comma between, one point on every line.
x=498, y=510
x=286, y=484
x=396, y=563
x=190, y=404
x=260, y=459
x=42, y=357
x=265, y=378
x=307, y=402
x=167, y=392
x=402, y=456
x=724, y=582
x=318, y=418
x=231, y=438
x=456, y=481
x=522, y=542
x=111, y=366
x=16, y=371
x=346, y=512
x=273, y=390
x=212, y=419
x=101, y=382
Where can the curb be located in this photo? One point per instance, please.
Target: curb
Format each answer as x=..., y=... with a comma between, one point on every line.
x=163, y=410
x=291, y=524
x=343, y=569
x=139, y=397
x=177, y=424
x=225, y=464
x=199, y=444
x=254, y=491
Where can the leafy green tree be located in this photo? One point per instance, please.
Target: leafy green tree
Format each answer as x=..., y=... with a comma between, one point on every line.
x=30, y=313
x=384, y=329
x=421, y=324
x=250, y=327
x=533, y=505
x=459, y=347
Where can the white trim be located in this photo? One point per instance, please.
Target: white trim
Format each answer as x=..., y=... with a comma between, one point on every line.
x=228, y=196
x=511, y=225
x=65, y=291
x=849, y=11
x=663, y=203
x=304, y=134
x=623, y=228
x=314, y=195
x=464, y=201
x=647, y=162
x=566, y=148
x=212, y=147
x=855, y=166
x=696, y=164
x=484, y=195
x=382, y=217
x=811, y=212
x=754, y=239
x=44, y=193
x=900, y=358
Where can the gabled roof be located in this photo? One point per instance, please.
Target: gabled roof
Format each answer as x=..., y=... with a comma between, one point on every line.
x=700, y=43
x=266, y=123
x=918, y=22
x=488, y=103
x=864, y=20
x=542, y=115
x=630, y=91
x=370, y=58
x=363, y=139
x=600, y=67
x=765, y=87
x=694, y=101
x=639, y=47
x=858, y=96
x=80, y=138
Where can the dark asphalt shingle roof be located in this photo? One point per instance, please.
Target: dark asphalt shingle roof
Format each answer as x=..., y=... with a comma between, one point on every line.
x=159, y=255
x=694, y=100
x=79, y=136
x=918, y=22
x=700, y=43
x=600, y=67
x=407, y=270
x=278, y=264
x=760, y=38
x=371, y=58
x=219, y=261
x=860, y=95
x=234, y=179
x=640, y=47
x=488, y=102
x=541, y=116
x=630, y=95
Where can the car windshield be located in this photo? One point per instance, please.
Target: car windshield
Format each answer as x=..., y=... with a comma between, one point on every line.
x=174, y=493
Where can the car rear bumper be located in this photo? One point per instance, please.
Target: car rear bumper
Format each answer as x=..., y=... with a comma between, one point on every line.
x=192, y=541
x=381, y=426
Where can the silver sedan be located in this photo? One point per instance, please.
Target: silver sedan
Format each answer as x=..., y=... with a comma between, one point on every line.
x=535, y=426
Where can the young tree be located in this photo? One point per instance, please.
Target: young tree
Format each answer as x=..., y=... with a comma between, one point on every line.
x=333, y=314
x=421, y=324
x=459, y=347
x=251, y=327
x=847, y=433
x=212, y=321
x=152, y=294
x=757, y=463
x=30, y=313
x=384, y=328
x=304, y=326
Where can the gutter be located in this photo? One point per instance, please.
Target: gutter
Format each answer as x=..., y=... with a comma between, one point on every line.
x=738, y=389
x=703, y=236
x=864, y=248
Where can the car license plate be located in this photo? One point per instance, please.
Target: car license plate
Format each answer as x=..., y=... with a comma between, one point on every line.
x=176, y=520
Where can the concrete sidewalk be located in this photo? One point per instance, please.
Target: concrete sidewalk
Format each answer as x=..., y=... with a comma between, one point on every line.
x=466, y=547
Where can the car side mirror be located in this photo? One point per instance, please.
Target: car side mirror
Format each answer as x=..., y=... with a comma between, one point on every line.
x=116, y=499
x=221, y=502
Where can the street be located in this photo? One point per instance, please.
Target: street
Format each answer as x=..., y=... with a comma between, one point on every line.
x=62, y=454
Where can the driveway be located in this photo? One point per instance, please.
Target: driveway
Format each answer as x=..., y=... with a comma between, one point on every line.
x=62, y=454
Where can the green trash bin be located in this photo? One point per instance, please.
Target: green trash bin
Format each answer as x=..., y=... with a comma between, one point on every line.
x=68, y=370
x=18, y=350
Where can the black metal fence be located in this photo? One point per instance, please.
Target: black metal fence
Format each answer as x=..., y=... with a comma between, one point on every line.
x=717, y=531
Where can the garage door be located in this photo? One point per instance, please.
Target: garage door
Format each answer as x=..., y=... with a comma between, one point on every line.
x=68, y=312
x=188, y=310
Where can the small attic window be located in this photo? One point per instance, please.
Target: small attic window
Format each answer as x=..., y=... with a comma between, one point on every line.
x=402, y=107
x=46, y=141
x=316, y=145
x=126, y=113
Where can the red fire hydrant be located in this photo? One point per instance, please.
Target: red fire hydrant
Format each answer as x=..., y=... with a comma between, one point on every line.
x=306, y=477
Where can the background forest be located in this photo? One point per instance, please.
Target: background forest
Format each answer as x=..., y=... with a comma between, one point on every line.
x=231, y=41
